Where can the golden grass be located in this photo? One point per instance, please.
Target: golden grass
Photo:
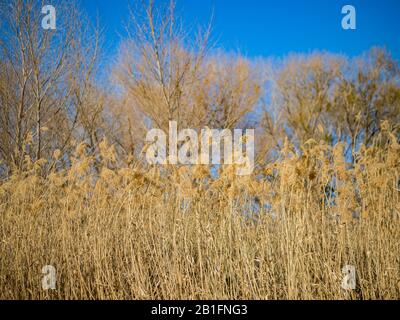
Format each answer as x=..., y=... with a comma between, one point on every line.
x=161, y=233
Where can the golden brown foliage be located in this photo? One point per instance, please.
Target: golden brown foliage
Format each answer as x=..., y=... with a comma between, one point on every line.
x=324, y=194
x=138, y=233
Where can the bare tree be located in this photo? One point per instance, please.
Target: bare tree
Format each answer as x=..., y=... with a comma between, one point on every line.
x=367, y=94
x=39, y=79
x=302, y=94
x=165, y=77
x=331, y=98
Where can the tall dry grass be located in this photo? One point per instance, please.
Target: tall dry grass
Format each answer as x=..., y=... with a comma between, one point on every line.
x=181, y=233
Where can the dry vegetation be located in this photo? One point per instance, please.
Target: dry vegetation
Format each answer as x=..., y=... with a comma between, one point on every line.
x=77, y=194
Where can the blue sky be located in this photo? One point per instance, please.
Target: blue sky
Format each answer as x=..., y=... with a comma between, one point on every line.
x=275, y=27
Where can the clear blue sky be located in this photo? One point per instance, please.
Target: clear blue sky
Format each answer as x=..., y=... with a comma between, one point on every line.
x=276, y=27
